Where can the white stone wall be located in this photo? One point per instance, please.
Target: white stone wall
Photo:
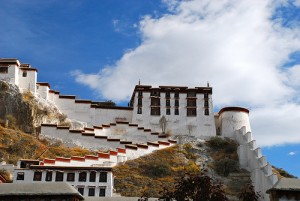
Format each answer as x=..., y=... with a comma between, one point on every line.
x=106, y=116
x=29, y=173
x=200, y=125
x=28, y=83
x=12, y=75
x=43, y=91
x=231, y=121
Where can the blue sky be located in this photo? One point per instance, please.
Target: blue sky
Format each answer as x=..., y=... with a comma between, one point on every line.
x=248, y=50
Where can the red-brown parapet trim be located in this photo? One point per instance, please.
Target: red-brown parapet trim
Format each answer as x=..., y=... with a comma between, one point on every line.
x=233, y=109
x=67, y=96
x=28, y=69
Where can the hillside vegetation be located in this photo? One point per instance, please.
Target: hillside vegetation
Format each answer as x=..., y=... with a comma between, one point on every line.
x=15, y=145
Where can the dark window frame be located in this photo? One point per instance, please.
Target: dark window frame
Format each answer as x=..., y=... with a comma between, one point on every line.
x=37, y=176
x=168, y=103
x=206, y=112
x=191, y=112
x=102, y=192
x=48, y=176
x=168, y=94
x=80, y=190
x=103, y=177
x=176, y=94
x=92, y=191
x=20, y=176
x=24, y=74
x=168, y=111
x=191, y=103
x=71, y=176
x=176, y=111
x=155, y=111
x=3, y=69
x=92, y=177
x=139, y=110
x=176, y=103
x=140, y=102
x=59, y=176
x=82, y=177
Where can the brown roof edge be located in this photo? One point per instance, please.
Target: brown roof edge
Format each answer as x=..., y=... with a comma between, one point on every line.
x=10, y=61
x=43, y=84
x=233, y=109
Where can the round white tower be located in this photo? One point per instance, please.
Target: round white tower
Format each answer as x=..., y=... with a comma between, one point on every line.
x=232, y=119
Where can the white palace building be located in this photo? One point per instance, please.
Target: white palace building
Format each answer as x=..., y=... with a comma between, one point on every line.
x=154, y=119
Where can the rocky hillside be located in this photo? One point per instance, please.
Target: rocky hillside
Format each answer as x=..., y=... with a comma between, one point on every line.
x=26, y=112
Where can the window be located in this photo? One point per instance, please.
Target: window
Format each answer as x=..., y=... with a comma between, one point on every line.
x=176, y=112
x=81, y=190
x=155, y=111
x=102, y=192
x=91, y=192
x=167, y=103
x=191, y=112
x=140, y=102
x=176, y=103
x=191, y=94
x=92, y=176
x=59, y=176
x=103, y=177
x=24, y=74
x=206, y=112
x=155, y=93
x=168, y=111
x=82, y=176
x=20, y=176
x=37, y=176
x=71, y=176
x=176, y=95
x=206, y=95
x=191, y=102
x=23, y=164
x=48, y=176
x=140, y=93
x=206, y=103
x=139, y=111
x=3, y=70
x=167, y=94
x=155, y=101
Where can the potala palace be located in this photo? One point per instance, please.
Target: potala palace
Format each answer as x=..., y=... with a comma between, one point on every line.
x=156, y=117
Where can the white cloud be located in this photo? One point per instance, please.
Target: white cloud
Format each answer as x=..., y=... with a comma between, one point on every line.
x=291, y=153
x=230, y=43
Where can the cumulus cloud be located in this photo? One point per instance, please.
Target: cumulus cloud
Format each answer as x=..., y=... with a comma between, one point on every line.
x=291, y=153
x=235, y=45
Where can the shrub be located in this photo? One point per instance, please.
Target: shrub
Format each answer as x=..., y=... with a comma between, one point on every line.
x=225, y=166
x=12, y=122
x=158, y=170
x=216, y=142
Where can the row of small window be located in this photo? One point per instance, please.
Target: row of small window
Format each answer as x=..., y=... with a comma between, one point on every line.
x=92, y=191
x=59, y=176
x=156, y=102
x=189, y=111
x=168, y=95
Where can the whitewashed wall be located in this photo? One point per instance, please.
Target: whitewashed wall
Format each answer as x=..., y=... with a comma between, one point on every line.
x=200, y=125
x=12, y=75
x=43, y=91
x=28, y=83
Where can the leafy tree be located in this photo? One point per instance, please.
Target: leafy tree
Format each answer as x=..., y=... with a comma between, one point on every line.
x=196, y=187
x=248, y=194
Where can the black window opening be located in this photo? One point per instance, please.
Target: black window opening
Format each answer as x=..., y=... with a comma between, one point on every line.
x=82, y=176
x=176, y=95
x=91, y=192
x=168, y=94
x=48, y=176
x=140, y=93
x=168, y=111
x=103, y=177
x=176, y=103
x=155, y=110
x=140, y=102
x=191, y=103
x=155, y=93
x=20, y=176
x=191, y=94
x=139, y=110
x=191, y=112
x=71, y=176
x=102, y=192
x=59, y=176
x=205, y=103
x=176, y=111
x=37, y=176
x=206, y=112
x=81, y=190
x=168, y=103
x=3, y=70
x=206, y=95
x=155, y=102
x=92, y=176
x=24, y=74
x=23, y=164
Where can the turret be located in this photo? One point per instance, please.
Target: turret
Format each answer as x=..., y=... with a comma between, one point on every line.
x=232, y=119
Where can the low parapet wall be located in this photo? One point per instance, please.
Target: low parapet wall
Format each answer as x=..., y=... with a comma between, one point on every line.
x=251, y=158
